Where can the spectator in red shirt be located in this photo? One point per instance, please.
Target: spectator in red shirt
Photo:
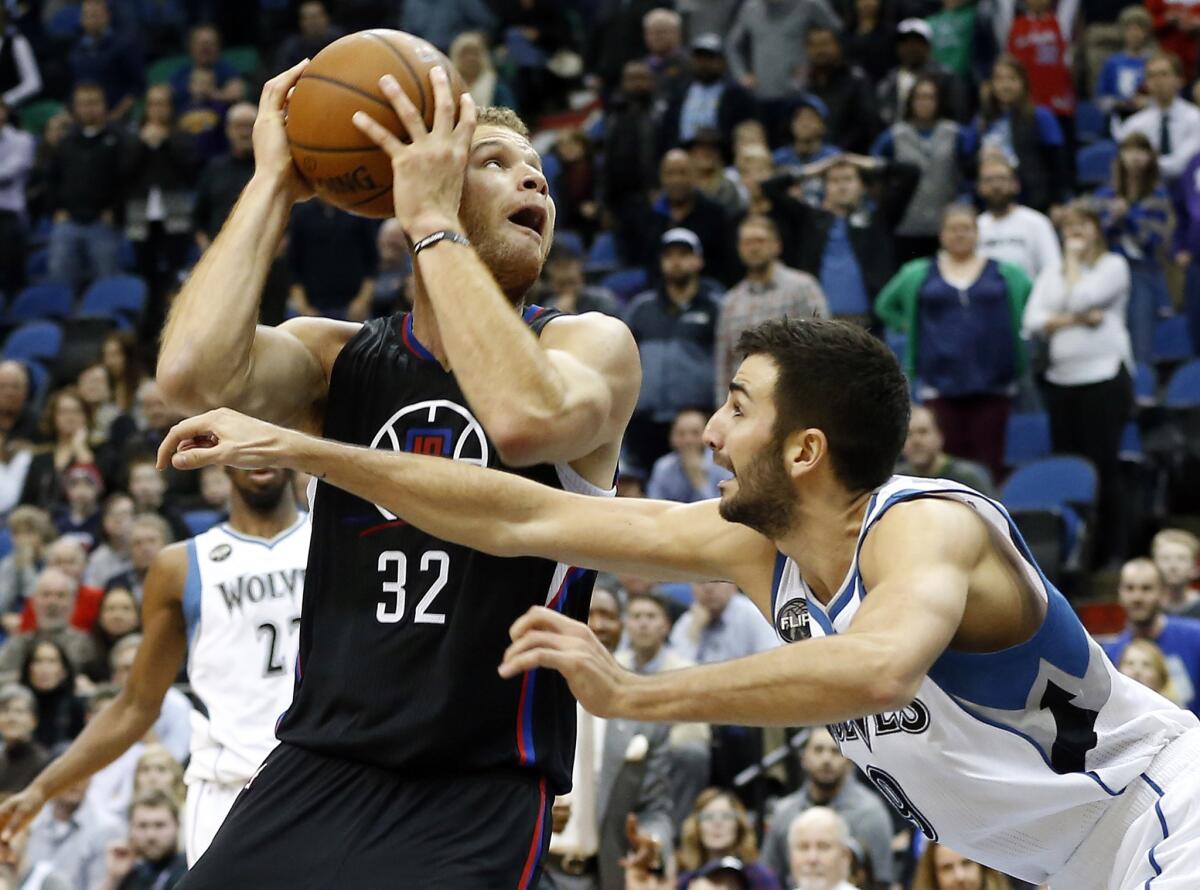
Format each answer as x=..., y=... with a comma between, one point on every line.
x=1177, y=26
x=68, y=555
x=1038, y=42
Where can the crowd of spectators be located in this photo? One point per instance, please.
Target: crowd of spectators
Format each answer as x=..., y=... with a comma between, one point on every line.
x=1008, y=192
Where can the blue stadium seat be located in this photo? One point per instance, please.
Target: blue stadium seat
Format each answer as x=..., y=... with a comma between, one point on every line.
x=37, y=265
x=626, y=282
x=39, y=383
x=1183, y=389
x=122, y=297
x=1172, y=343
x=6, y=544
x=1051, y=482
x=1027, y=438
x=40, y=301
x=127, y=256
x=1131, y=443
x=569, y=240
x=39, y=340
x=1091, y=123
x=1145, y=385
x=65, y=23
x=897, y=342
x=200, y=521
x=1093, y=163
x=603, y=255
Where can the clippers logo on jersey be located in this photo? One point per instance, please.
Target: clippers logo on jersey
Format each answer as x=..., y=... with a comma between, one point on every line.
x=436, y=427
x=792, y=622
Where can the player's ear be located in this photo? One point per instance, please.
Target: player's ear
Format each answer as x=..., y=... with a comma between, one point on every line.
x=803, y=450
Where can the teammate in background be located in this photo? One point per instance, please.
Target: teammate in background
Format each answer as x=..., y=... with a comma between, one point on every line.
x=402, y=742
x=229, y=600
x=944, y=663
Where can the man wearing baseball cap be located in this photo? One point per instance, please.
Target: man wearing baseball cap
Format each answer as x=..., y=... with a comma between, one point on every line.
x=674, y=325
x=914, y=49
x=710, y=99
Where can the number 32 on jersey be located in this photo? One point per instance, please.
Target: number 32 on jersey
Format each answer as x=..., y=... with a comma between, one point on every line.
x=434, y=570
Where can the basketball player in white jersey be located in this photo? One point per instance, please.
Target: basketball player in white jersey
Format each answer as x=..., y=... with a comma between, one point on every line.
x=229, y=599
x=945, y=664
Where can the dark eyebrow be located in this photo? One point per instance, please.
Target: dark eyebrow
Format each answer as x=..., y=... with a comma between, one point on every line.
x=529, y=153
x=741, y=389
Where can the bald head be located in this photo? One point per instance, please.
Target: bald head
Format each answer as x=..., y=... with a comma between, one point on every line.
x=239, y=128
x=818, y=847
x=677, y=174
x=68, y=556
x=14, y=388
x=53, y=599
x=662, y=30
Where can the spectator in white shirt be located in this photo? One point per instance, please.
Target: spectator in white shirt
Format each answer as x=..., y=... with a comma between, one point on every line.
x=1010, y=231
x=16, y=163
x=1080, y=311
x=20, y=79
x=1170, y=123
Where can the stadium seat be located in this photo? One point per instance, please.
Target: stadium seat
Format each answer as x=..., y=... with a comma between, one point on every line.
x=245, y=59
x=603, y=255
x=625, y=283
x=122, y=297
x=1091, y=123
x=39, y=340
x=127, y=256
x=1045, y=533
x=35, y=114
x=1093, y=163
x=65, y=23
x=1172, y=343
x=1183, y=389
x=1131, y=443
x=37, y=265
x=1145, y=385
x=39, y=384
x=200, y=521
x=164, y=69
x=40, y=301
x=6, y=544
x=1027, y=438
x=569, y=240
x=1051, y=482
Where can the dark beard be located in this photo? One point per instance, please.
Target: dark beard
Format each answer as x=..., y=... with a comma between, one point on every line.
x=265, y=500
x=764, y=500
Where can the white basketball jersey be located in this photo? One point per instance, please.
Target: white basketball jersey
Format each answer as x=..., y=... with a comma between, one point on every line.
x=242, y=606
x=1007, y=757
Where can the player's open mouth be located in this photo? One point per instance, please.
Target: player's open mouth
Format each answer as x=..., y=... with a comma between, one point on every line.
x=263, y=475
x=532, y=218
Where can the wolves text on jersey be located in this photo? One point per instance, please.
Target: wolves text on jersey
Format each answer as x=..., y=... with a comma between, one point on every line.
x=913, y=720
x=250, y=589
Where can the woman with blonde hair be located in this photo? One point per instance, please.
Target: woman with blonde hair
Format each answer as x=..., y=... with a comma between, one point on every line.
x=1144, y=661
x=940, y=868
x=719, y=826
x=470, y=55
x=158, y=770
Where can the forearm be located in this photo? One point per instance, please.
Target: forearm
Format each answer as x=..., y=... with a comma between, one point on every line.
x=106, y=737
x=209, y=334
x=504, y=373
x=814, y=682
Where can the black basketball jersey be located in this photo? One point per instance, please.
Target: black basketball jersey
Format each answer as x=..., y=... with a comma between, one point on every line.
x=402, y=632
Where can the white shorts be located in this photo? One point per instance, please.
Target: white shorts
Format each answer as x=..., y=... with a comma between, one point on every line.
x=1151, y=836
x=208, y=803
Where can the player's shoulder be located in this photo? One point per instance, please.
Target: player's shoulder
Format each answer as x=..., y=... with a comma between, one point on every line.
x=324, y=337
x=924, y=530
x=592, y=334
x=169, y=570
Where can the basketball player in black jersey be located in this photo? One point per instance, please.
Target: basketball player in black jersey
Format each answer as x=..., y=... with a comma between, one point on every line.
x=405, y=761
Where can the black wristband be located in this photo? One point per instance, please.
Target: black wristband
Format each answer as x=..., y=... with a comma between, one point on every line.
x=438, y=238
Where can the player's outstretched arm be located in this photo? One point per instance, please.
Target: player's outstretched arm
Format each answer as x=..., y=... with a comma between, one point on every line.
x=495, y=512
x=128, y=718
x=916, y=563
x=556, y=399
x=213, y=351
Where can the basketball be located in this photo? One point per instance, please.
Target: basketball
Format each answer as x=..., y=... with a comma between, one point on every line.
x=342, y=165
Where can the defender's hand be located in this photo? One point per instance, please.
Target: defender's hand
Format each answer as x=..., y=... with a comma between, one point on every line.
x=17, y=812
x=225, y=438
x=427, y=172
x=544, y=638
x=272, y=156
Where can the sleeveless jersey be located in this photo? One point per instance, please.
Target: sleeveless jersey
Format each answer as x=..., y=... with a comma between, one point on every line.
x=241, y=605
x=403, y=632
x=1008, y=757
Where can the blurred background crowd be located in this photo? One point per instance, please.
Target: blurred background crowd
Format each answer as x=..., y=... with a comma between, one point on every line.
x=1007, y=192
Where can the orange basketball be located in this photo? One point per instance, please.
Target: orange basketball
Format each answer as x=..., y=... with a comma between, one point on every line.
x=343, y=166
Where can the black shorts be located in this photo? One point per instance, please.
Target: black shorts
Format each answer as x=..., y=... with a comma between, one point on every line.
x=311, y=822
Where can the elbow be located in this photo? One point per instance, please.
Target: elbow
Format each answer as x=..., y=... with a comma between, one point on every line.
x=521, y=442
x=888, y=692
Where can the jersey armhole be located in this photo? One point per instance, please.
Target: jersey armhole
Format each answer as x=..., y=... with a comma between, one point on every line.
x=776, y=580
x=191, y=593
